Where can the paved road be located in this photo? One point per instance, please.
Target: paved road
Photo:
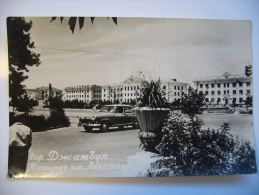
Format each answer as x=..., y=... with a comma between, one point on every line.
x=72, y=152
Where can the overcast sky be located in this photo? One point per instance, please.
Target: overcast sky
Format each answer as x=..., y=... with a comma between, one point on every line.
x=105, y=53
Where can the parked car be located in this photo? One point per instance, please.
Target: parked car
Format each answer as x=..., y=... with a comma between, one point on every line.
x=110, y=116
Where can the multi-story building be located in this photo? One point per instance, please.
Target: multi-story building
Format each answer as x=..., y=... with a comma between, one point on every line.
x=41, y=94
x=124, y=92
x=84, y=93
x=226, y=89
x=174, y=89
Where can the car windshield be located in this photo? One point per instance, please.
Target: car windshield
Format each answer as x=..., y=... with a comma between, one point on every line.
x=108, y=109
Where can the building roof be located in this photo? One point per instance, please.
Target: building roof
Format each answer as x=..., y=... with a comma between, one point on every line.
x=47, y=88
x=174, y=81
x=225, y=76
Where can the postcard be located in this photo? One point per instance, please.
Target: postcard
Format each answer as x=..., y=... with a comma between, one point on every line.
x=129, y=97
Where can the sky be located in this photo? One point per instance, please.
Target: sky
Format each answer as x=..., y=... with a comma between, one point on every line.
x=105, y=53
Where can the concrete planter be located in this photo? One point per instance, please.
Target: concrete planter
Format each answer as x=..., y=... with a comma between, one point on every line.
x=151, y=120
x=151, y=123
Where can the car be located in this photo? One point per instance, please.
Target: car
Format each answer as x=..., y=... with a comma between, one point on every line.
x=116, y=115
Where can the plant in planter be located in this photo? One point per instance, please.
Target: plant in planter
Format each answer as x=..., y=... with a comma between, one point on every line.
x=151, y=111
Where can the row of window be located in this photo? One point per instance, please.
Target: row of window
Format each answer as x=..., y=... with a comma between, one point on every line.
x=227, y=92
x=225, y=85
x=219, y=100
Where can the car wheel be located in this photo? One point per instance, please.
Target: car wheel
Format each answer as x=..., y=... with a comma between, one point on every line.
x=135, y=125
x=105, y=126
x=121, y=127
x=87, y=128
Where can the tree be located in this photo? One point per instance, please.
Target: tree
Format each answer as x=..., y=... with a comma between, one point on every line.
x=81, y=20
x=57, y=114
x=248, y=70
x=20, y=56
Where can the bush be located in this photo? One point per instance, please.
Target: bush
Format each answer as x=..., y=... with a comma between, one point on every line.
x=188, y=150
x=57, y=114
x=35, y=123
x=192, y=151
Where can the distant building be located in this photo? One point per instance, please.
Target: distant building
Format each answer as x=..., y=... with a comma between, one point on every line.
x=84, y=93
x=123, y=92
x=226, y=89
x=41, y=94
x=174, y=89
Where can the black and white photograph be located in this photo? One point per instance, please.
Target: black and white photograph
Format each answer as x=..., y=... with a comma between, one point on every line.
x=98, y=97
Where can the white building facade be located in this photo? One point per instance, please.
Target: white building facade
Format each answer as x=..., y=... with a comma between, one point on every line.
x=83, y=93
x=226, y=89
x=124, y=92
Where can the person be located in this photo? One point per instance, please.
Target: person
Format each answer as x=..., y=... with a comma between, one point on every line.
x=20, y=141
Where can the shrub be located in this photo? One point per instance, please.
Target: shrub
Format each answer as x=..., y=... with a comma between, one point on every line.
x=57, y=114
x=35, y=123
x=186, y=149
x=192, y=151
x=152, y=94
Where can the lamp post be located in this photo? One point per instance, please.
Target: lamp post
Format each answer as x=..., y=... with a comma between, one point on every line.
x=85, y=99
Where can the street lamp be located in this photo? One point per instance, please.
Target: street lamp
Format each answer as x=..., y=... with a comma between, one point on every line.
x=85, y=99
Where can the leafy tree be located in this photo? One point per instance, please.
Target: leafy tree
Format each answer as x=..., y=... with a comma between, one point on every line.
x=248, y=70
x=72, y=21
x=57, y=113
x=26, y=105
x=192, y=102
x=190, y=150
x=249, y=100
x=20, y=56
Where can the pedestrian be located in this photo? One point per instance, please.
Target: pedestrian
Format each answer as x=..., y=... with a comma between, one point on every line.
x=20, y=140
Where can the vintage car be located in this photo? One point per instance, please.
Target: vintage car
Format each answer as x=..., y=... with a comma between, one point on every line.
x=110, y=116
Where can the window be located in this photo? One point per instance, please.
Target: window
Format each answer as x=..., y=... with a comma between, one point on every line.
x=219, y=92
x=240, y=92
x=174, y=87
x=201, y=85
x=248, y=84
x=207, y=93
x=207, y=85
x=227, y=91
x=248, y=92
x=224, y=92
x=234, y=92
x=178, y=87
x=212, y=92
x=234, y=84
x=227, y=85
x=240, y=84
x=104, y=95
x=182, y=87
x=164, y=87
x=218, y=85
x=218, y=100
x=240, y=100
x=174, y=93
x=212, y=85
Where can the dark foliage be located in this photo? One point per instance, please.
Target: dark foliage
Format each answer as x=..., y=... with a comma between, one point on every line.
x=152, y=95
x=248, y=70
x=189, y=150
x=72, y=21
x=57, y=114
x=36, y=123
x=26, y=105
x=20, y=55
x=192, y=102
